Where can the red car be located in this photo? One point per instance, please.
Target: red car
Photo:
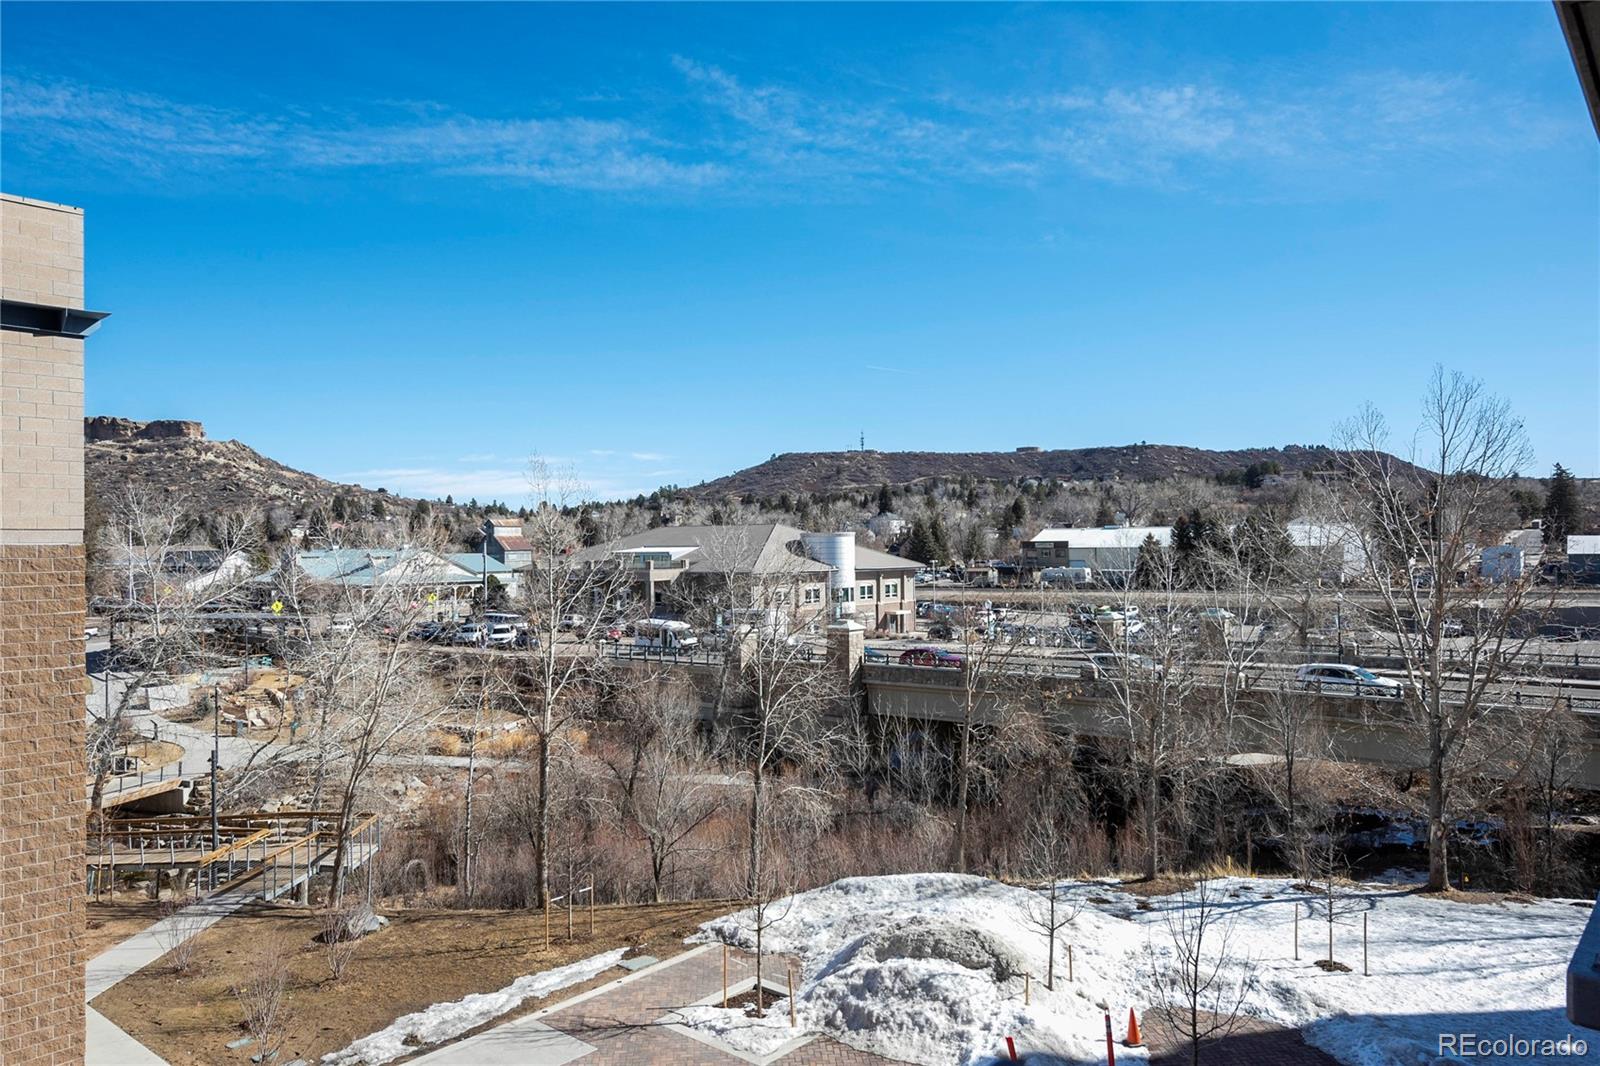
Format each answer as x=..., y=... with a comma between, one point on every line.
x=930, y=657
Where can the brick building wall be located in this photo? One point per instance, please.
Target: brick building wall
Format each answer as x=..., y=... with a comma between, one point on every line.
x=41, y=645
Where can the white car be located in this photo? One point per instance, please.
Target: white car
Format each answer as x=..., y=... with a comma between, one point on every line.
x=502, y=635
x=471, y=633
x=1341, y=679
x=571, y=622
x=1111, y=665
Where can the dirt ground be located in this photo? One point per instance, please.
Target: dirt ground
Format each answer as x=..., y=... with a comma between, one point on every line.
x=425, y=956
x=153, y=754
x=108, y=923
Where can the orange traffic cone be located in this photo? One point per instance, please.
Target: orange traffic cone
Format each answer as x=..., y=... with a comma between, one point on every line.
x=1134, y=1039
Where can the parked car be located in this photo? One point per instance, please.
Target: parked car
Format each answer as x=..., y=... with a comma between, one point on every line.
x=429, y=631
x=1451, y=627
x=1342, y=679
x=471, y=633
x=501, y=635
x=931, y=657
x=525, y=639
x=570, y=622
x=1219, y=616
x=341, y=625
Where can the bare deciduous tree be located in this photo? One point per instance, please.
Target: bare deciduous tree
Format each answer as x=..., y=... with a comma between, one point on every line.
x=570, y=601
x=1195, y=986
x=1049, y=858
x=1156, y=701
x=1419, y=524
x=160, y=573
x=662, y=786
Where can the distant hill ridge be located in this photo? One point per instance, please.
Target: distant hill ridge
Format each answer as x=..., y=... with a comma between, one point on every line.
x=828, y=471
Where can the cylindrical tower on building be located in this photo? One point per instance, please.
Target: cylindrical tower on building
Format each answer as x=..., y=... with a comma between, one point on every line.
x=838, y=550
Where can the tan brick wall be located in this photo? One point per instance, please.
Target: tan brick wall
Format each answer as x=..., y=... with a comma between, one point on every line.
x=41, y=378
x=42, y=802
x=41, y=252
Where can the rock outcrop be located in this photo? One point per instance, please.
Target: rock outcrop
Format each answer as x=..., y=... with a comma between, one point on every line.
x=108, y=427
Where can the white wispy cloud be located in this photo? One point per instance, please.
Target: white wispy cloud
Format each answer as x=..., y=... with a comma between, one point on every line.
x=748, y=135
x=157, y=137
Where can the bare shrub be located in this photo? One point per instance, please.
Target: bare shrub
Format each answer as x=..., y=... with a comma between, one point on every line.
x=179, y=933
x=339, y=941
x=264, y=998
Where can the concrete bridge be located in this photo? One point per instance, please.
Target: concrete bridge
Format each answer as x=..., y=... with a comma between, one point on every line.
x=1375, y=731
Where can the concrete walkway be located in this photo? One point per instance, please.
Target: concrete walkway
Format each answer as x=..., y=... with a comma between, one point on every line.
x=104, y=1043
x=632, y=1020
x=143, y=948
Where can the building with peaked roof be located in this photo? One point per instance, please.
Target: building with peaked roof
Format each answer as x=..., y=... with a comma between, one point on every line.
x=1109, y=553
x=507, y=543
x=887, y=526
x=453, y=579
x=813, y=576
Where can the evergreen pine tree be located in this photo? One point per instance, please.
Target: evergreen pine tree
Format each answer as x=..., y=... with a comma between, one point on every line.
x=885, y=499
x=920, y=546
x=1562, y=509
x=939, y=539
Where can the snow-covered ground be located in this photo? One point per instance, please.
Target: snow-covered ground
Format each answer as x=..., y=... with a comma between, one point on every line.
x=928, y=968
x=444, y=1021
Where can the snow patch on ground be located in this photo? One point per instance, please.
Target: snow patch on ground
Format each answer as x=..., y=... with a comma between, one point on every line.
x=756, y=1036
x=924, y=967
x=444, y=1021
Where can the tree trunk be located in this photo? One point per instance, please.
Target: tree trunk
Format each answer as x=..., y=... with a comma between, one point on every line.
x=963, y=775
x=342, y=836
x=466, y=829
x=758, y=798
x=1152, y=823
x=761, y=924
x=1050, y=966
x=1438, y=840
x=542, y=828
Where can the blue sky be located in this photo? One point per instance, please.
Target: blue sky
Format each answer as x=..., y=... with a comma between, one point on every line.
x=412, y=245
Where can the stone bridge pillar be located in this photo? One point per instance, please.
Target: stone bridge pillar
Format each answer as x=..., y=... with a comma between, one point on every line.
x=847, y=647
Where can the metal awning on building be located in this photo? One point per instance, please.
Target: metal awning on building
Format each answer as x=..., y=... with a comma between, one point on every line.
x=45, y=320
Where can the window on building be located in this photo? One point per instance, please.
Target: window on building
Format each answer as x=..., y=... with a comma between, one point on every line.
x=891, y=590
x=813, y=595
x=842, y=595
x=781, y=596
x=865, y=593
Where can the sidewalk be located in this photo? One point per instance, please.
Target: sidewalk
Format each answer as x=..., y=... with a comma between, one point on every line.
x=630, y=1021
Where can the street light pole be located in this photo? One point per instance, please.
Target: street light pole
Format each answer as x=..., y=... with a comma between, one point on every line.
x=484, y=529
x=216, y=743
